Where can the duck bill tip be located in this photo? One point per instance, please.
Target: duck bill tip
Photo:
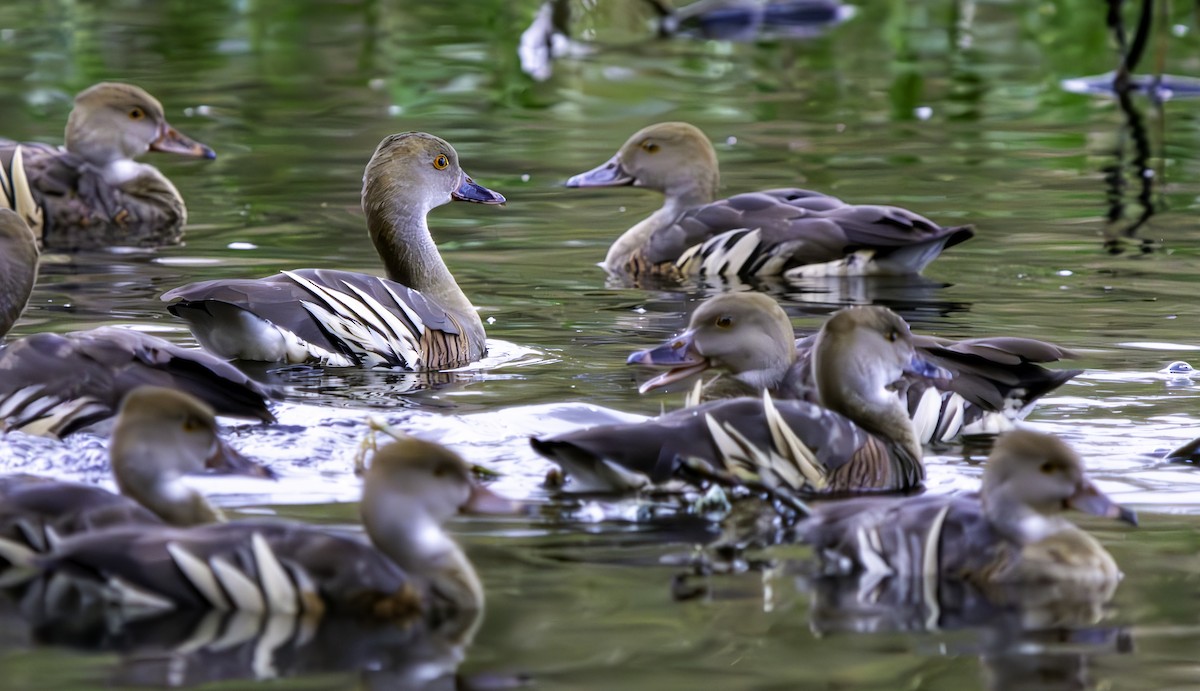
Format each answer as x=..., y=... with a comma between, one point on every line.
x=609, y=174
x=1089, y=499
x=227, y=460
x=172, y=141
x=485, y=501
x=470, y=191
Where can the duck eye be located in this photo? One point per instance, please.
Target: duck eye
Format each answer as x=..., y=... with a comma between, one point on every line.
x=725, y=322
x=650, y=147
x=191, y=424
x=892, y=336
x=136, y=113
x=441, y=162
x=1047, y=468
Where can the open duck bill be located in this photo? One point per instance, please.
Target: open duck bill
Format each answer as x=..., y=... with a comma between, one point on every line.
x=172, y=141
x=485, y=501
x=679, y=356
x=226, y=460
x=470, y=191
x=1089, y=499
x=610, y=174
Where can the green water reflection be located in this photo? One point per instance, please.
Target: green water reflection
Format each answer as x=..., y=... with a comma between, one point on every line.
x=952, y=108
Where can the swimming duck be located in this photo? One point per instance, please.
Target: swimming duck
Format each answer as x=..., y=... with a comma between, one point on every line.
x=419, y=319
x=160, y=435
x=993, y=382
x=793, y=232
x=410, y=567
x=90, y=193
x=859, y=439
x=18, y=267
x=56, y=384
x=1012, y=532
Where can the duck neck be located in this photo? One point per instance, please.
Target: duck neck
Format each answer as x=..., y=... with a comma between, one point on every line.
x=402, y=239
x=165, y=494
x=635, y=239
x=1017, y=521
x=418, y=544
x=852, y=386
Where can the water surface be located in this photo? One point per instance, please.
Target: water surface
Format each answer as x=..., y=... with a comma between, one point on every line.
x=953, y=109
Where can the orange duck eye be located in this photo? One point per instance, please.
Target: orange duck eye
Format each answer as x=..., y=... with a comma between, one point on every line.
x=136, y=113
x=650, y=147
x=441, y=162
x=725, y=322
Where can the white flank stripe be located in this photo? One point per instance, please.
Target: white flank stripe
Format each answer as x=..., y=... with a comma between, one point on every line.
x=277, y=587
x=929, y=568
x=954, y=425
x=129, y=596
x=34, y=537
x=26, y=207
x=868, y=556
x=199, y=575
x=400, y=340
x=245, y=594
x=16, y=553
x=729, y=259
x=925, y=417
x=19, y=398
x=792, y=446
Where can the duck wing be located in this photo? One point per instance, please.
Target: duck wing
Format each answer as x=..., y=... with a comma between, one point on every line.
x=339, y=318
x=923, y=535
x=254, y=566
x=800, y=233
x=739, y=212
x=57, y=384
x=790, y=446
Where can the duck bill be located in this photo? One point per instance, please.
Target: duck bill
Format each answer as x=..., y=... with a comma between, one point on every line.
x=1089, y=499
x=172, y=141
x=226, y=460
x=610, y=174
x=679, y=356
x=470, y=191
x=921, y=367
x=485, y=501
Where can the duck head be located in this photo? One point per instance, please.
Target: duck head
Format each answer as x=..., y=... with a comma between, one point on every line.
x=114, y=122
x=410, y=490
x=674, y=158
x=162, y=434
x=420, y=170
x=1031, y=478
x=746, y=334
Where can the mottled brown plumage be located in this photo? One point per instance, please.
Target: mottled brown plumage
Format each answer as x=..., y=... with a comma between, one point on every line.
x=90, y=193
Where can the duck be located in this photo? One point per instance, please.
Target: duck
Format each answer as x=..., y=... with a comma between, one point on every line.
x=1012, y=533
x=408, y=568
x=18, y=267
x=57, y=384
x=416, y=319
x=993, y=382
x=747, y=20
x=859, y=438
x=792, y=232
x=90, y=193
x=160, y=435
